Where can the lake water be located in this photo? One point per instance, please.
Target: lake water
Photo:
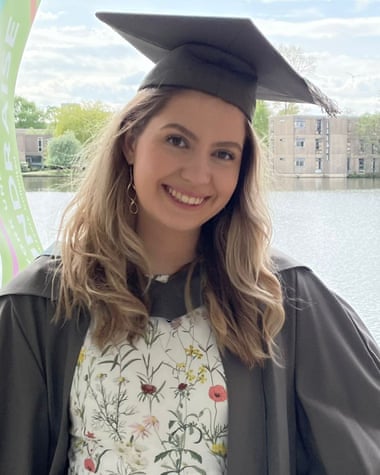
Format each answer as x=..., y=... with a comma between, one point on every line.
x=331, y=225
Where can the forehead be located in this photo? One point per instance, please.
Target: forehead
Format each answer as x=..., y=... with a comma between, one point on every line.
x=203, y=112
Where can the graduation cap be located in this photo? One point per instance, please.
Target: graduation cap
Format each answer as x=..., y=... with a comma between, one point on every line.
x=225, y=57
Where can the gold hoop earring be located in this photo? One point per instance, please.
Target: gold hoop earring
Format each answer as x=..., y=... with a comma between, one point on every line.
x=131, y=193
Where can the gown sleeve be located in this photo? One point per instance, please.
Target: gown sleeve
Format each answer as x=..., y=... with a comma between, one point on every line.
x=337, y=383
x=24, y=416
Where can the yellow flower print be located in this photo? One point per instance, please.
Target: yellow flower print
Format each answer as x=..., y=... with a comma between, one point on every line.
x=81, y=356
x=191, y=351
x=219, y=449
x=190, y=376
x=180, y=366
x=202, y=374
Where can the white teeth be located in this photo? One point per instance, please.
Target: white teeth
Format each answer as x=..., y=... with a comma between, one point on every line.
x=189, y=200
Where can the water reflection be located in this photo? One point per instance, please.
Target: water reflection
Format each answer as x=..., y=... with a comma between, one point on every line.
x=322, y=184
x=49, y=183
x=69, y=183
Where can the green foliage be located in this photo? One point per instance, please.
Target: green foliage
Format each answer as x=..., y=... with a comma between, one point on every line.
x=63, y=150
x=84, y=120
x=369, y=126
x=288, y=108
x=27, y=115
x=51, y=117
x=261, y=120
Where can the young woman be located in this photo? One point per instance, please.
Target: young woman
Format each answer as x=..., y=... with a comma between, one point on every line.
x=165, y=336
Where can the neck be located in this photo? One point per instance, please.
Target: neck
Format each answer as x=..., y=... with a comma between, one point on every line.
x=169, y=251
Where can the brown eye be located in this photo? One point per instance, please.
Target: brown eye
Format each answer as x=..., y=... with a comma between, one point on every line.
x=224, y=155
x=177, y=141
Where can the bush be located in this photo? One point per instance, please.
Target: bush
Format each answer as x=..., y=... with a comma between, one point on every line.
x=24, y=167
x=63, y=150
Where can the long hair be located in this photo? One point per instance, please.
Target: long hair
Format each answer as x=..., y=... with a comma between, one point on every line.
x=103, y=261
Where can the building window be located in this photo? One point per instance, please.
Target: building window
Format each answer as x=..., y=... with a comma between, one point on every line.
x=282, y=158
x=361, y=164
x=318, y=126
x=300, y=162
x=300, y=142
x=361, y=145
x=299, y=123
x=318, y=165
x=40, y=144
x=318, y=145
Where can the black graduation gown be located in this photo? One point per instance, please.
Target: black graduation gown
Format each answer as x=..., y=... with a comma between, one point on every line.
x=318, y=413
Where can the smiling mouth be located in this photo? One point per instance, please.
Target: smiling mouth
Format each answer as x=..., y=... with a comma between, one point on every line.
x=185, y=199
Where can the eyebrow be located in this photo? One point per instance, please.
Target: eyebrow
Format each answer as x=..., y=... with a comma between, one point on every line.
x=191, y=135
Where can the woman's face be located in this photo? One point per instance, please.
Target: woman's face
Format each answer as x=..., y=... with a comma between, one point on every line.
x=186, y=163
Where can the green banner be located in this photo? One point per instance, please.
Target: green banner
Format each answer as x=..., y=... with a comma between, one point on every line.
x=19, y=241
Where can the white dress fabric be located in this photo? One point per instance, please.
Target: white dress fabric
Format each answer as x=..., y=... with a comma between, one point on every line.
x=157, y=407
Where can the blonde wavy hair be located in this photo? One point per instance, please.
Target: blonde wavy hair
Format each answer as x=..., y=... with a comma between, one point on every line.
x=103, y=262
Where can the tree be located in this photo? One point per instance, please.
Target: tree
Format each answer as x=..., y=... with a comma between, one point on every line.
x=27, y=115
x=289, y=108
x=261, y=120
x=303, y=64
x=51, y=117
x=368, y=127
x=298, y=59
x=63, y=150
x=84, y=120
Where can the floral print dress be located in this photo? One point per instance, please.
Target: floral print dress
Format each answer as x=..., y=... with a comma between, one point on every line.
x=155, y=407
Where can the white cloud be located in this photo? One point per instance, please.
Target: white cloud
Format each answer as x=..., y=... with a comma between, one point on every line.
x=48, y=16
x=309, y=12
x=323, y=28
x=352, y=82
x=286, y=1
x=363, y=4
x=78, y=63
x=74, y=64
x=80, y=36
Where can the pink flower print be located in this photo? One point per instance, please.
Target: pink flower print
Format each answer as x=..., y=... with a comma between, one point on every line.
x=140, y=430
x=148, y=388
x=89, y=465
x=90, y=435
x=151, y=421
x=182, y=386
x=217, y=393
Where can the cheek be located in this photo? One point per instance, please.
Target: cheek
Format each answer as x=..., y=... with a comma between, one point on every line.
x=229, y=182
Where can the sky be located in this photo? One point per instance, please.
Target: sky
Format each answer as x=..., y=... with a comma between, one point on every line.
x=71, y=56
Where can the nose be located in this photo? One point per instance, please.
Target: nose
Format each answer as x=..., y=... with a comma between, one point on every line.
x=197, y=169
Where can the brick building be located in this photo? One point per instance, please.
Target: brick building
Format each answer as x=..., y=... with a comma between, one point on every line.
x=310, y=146
x=32, y=145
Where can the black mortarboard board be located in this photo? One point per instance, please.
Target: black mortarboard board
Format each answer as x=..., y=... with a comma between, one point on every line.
x=225, y=57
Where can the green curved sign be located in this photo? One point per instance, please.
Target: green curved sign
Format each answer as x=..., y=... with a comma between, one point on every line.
x=19, y=241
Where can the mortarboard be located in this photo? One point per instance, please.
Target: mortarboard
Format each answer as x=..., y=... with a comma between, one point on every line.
x=225, y=57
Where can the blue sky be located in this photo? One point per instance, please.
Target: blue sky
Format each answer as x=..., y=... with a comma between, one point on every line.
x=71, y=57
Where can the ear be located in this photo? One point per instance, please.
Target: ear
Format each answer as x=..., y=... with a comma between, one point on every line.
x=128, y=151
